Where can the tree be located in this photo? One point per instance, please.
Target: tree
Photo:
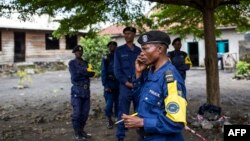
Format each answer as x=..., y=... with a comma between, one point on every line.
x=207, y=9
x=75, y=15
x=85, y=14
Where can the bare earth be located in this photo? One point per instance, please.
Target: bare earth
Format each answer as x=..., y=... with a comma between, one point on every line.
x=42, y=111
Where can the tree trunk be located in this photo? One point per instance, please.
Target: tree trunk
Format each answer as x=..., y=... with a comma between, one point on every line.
x=211, y=61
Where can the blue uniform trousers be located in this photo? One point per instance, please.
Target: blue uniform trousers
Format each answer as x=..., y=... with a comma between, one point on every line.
x=125, y=98
x=81, y=107
x=111, y=99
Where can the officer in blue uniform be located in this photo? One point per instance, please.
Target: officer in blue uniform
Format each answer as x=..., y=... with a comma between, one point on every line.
x=161, y=92
x=124, y=68
x=110, y=83
x=80, y=93
x=179, y=58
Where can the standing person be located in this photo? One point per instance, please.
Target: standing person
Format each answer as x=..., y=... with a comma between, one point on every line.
x=179, y=58
x=124, y=68
x=80, y=93
x=161, y=91
x=110, y=83
x=220, y=58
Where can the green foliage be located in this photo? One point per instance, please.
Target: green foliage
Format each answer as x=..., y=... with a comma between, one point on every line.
x=185, y=20
x=76, y=15
x=24, y=78
x=242, y=67
x=93, y=51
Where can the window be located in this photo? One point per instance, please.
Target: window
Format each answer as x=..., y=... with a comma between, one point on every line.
x=222, y=46
x=71, y=41
x=0, y=41
x=51, y=42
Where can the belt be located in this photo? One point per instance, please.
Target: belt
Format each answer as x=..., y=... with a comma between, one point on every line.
x=142, y=134
x=111, y=77
x=85, y=86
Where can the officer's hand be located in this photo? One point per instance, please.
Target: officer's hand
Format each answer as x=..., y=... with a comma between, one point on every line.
x=129, y=85
x=132, y=121
x=139, y=65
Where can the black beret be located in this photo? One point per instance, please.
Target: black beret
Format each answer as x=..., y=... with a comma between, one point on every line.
x=129, y=28
x=154, y=37
x=175, y=40
x=112, y=43
x=77, y=48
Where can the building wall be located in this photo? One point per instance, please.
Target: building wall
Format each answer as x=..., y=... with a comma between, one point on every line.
x=7, y=53
x=35, y=50
x=227, y=34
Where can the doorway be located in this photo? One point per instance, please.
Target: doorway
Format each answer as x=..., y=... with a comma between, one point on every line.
x=19, y=46
x=193, y=52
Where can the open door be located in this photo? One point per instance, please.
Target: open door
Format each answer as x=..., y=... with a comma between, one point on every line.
x=19, y=47
x=193, y=51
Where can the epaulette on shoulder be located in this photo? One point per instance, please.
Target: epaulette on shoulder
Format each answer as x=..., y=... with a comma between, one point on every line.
x=169, y=77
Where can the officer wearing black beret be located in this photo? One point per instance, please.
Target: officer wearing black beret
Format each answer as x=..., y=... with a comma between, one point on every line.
x=110, y=84
x=161, y=90
x=124, y=68
x=80, y=71
x=179, y=58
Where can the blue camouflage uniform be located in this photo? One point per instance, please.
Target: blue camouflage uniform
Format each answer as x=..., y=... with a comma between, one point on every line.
x=80, y=92
x=151, y=88
x=178, y=60
x=109, y=81
x=124, y=69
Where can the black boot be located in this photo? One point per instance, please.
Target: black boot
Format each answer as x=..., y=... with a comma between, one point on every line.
x=120, y=139
x=110, y=123
x=78, y=135
x=86, y=135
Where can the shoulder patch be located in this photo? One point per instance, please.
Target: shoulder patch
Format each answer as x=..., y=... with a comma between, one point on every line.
x=172, y=107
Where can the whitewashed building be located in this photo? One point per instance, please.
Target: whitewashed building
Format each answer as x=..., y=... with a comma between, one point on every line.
x=228, y=42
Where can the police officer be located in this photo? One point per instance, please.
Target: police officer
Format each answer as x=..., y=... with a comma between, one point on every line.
x=161, y=91
x=80, y=93
x=124, y=68
x=179, y=58
x=110, y=83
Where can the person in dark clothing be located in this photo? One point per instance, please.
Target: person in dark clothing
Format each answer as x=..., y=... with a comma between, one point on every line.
x=111, y=84
x=124, y=69
x=80, y=93
x=220, y=58
x=180, y=59
x=161, y=114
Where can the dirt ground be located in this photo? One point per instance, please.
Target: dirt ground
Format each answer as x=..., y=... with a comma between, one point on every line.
x=42, y=112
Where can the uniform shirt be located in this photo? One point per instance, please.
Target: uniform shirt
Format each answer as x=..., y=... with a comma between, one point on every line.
x=124, y=66
x=79, y=77
x=178, y=60
x=152, y=90
x=107, y=72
